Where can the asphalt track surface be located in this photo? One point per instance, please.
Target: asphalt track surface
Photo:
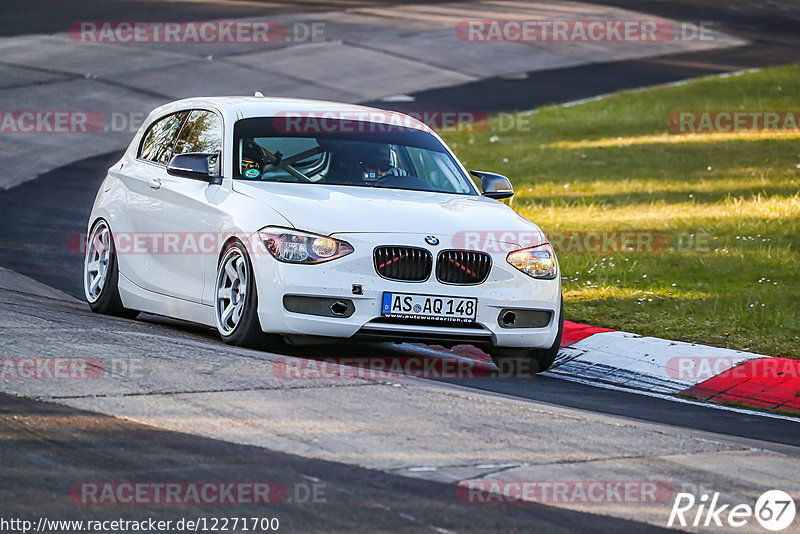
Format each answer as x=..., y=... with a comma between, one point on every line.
x=42, y=216
x=89, y=447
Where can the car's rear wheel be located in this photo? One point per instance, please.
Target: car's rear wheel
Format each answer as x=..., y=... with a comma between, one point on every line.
x=528, y=362
x=236, y=299
x=101, y=274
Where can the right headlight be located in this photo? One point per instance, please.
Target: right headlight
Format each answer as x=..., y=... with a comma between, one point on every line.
x=538, y=262
x=293, y=246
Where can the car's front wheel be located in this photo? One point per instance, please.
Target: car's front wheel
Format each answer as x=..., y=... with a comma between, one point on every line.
x=528, y=362
x=101, y=274
x=236, y=300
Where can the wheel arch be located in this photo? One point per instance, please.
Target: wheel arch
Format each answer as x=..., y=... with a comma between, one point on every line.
x=230, y=241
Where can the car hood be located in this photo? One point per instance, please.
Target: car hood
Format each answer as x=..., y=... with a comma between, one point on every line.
x=329, y=209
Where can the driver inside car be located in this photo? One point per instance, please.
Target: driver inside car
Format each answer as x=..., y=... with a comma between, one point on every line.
x=375, y=162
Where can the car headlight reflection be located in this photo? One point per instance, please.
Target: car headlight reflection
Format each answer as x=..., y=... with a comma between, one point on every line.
x=291, y=246
x=538, y=262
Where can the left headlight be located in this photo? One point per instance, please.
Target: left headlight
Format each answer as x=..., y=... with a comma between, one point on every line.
x=291, y=246
x=538, y=262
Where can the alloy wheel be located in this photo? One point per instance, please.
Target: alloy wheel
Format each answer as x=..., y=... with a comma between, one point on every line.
x=231, y=290
x=96, y=262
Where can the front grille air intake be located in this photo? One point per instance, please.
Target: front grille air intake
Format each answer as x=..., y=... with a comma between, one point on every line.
x=463, y=267
x=407, y=264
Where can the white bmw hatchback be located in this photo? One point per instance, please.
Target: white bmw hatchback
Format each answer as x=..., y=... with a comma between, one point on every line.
x=312, y=221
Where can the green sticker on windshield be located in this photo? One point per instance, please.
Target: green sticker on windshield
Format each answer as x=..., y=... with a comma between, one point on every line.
x=252, y=173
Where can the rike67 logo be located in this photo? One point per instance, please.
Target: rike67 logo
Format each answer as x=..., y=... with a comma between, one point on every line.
x=774, y=510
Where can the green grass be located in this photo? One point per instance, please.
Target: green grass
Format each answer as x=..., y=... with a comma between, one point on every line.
x=611, y=165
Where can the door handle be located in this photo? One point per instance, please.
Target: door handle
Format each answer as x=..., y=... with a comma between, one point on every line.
x=154, y=183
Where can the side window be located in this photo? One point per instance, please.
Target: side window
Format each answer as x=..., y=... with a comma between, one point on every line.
x=158, y=140
x=202, y=132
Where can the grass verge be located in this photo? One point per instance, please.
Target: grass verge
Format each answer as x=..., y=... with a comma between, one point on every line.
x=724, y=208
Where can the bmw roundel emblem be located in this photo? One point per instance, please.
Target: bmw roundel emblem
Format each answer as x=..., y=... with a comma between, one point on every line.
x=432, y=240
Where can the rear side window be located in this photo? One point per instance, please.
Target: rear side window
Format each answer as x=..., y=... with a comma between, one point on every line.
x=158, y=141
x=202, y=132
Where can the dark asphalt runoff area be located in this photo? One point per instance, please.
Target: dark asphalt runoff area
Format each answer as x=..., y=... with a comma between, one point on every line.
x=45, y=448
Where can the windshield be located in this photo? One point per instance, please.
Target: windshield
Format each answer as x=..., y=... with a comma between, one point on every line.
x=397, y=157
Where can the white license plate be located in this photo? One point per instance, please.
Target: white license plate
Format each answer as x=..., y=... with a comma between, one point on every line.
x=429, y=307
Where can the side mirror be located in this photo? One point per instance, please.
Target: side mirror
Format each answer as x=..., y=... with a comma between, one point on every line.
x=494, y=185
x=196, y=165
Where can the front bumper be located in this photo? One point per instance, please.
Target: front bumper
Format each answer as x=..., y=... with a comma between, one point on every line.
x=505, y=288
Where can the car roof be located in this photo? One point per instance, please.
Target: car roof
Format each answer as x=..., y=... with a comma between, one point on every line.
x=263, y=106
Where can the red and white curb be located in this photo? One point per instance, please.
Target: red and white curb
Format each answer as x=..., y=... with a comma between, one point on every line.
x=675, y=367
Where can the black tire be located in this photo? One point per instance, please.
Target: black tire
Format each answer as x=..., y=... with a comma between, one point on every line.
x=247, y=331
x=109, y=301
x=529, y=362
